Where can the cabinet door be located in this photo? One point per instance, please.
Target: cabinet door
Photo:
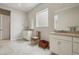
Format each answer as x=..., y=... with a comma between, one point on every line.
x=55, y=45
x=75, y=48
x=76, y=45
x=66, y=47
x=60, y=46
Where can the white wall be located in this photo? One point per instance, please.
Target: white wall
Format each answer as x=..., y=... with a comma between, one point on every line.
x=18, y=21
x=45, y=31
x=32, y=16
x=53, y=8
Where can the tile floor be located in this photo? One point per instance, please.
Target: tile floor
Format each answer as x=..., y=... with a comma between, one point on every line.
x=8, y=47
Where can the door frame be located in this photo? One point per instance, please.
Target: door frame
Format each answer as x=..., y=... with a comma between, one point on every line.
x=9, y=28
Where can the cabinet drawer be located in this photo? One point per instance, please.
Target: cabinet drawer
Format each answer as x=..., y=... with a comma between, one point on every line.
x=62, y=37
x=76, y=47
x=75, y=39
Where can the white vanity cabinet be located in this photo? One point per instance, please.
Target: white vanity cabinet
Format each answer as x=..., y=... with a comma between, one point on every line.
x=54, y=45
x=76, y=45
x=61, y=45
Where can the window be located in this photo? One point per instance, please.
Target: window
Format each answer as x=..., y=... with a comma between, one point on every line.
x=42, y=18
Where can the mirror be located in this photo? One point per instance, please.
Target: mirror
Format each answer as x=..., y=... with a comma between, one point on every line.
x=67, y=18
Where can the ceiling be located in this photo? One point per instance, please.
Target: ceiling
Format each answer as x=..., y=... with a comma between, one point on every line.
x=20, y=6
x=28, y=6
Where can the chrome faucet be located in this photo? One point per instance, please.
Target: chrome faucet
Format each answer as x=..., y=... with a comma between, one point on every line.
x=73, y=28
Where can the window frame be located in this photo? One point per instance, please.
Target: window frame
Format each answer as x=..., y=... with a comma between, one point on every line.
x=37, y=21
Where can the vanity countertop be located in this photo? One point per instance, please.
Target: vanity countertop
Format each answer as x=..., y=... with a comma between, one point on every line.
x=72, y=34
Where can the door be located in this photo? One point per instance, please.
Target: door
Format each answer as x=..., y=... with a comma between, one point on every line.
x=5, y=27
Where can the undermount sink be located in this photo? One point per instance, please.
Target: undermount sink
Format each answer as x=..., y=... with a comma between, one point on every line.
x=61, y=31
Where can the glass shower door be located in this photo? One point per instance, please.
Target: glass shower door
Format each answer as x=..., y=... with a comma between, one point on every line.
x=4, y=27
